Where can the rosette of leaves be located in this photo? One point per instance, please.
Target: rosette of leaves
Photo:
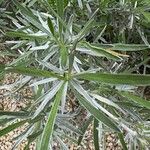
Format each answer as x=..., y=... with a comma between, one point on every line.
x=57, y=62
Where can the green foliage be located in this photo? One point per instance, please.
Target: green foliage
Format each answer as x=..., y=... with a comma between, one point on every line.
x=128, y=79
x=95, y=135
x=51, y=121
x=88, y=51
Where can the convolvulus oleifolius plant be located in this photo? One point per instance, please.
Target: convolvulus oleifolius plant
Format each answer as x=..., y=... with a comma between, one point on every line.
x=56, y=59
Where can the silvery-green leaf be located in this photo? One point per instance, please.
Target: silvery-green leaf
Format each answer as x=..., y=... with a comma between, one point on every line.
x=22, y=137
x=144, y=38
x=105, y=100
x=92, y=53
x=41, y=47
x=85, y=94
x=28, y=14
x=101, y=33
x=63, y=124
x=63, y=145
x=87, y=26
x=52, y=51
x=15, y=22
x=49, y=127
x=23, y=56
x=7, y=87
x=17, y=43
x=32, y=2
x=12, y=42
x=51, y=67
x=68, y=36
x=39, y=34
x=43, y=81
x=126, y=88
x=22, y=43
x=63, y=100
x=80, y=4
x=41, y=97
x=47, y=98
x=18, y=82
x=77, y=60
x=97, y=113
x=23, y=35
x=46, y=15
x=75, y=65
x=21, y=83
x=101, y=51
x=51, y=10
x=44, y=23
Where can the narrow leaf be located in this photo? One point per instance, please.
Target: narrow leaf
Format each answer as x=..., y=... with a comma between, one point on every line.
x=96, y=112
x=22, y=137
x=21, y=58
x=105, y=100
x=92, y=101
x=129, y=47
x=60, y=12
x=47, y=98
x=124, y=146
x=64, y=56
x=137, y=99
x=17, y=114
x=43, y=81
x=129, y=79
x=63, y=145
x=95, y=135
x=104, y=52
x=46, y=3
x=68, y=126
x=7, y=53
x=48, y=130
x=84, y=128
x=12, y=127
x=24, y=35
x=30, y=71
x=51, y=27
x=80, y=4
x=34, y=135
x=87, y=26
x=63, y=100
x=124, y=47
x=31, y=17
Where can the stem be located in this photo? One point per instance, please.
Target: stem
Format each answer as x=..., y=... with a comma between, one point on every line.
x=71, y=57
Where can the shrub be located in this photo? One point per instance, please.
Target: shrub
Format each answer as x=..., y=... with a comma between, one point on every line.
x=62, y=53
